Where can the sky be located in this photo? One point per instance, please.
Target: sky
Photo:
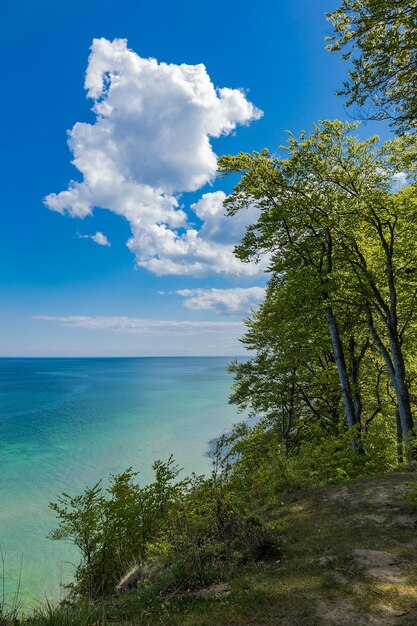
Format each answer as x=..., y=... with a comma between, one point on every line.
x=114, y=239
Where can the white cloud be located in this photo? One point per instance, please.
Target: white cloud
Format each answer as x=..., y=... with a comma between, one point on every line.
x=151, y=142
x=217, y=227
x=140, y=326
x=236, y=301
x=98, y=238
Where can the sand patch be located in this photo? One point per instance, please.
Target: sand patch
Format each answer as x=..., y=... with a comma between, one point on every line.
x=379, y=565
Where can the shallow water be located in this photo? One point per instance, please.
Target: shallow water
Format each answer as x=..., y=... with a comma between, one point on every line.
x=66, y=423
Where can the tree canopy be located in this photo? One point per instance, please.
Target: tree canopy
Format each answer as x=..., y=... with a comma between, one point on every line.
x=379, y=38
x=340, y=237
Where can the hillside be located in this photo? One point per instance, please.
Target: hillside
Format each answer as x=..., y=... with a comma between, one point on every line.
x=348, y=559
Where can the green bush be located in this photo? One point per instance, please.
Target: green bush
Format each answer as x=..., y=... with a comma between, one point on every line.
x=112, y=527
x=178, y=533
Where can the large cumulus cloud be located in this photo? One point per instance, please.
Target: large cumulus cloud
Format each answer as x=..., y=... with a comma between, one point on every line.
x=150, y=143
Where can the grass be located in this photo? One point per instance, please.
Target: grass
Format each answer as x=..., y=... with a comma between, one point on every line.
x=316, y=582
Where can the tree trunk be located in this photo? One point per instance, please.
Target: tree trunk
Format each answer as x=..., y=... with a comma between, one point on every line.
x=354, y=367
x=400, y=457
x=406, y=418
x=403, y=396
x=339, y=358
x=394, y=361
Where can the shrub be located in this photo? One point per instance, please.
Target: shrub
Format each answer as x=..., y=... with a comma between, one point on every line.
x=113, y=527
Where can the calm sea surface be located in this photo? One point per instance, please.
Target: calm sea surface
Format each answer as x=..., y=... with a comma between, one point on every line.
x=66, y=423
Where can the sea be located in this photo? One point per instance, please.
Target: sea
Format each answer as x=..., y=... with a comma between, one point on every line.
x=67, y=423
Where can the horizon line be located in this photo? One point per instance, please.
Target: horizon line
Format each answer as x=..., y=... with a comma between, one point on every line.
x=146, y=356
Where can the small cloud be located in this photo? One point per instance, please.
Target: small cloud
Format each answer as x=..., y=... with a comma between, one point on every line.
x=235, y=301
x=99, y=238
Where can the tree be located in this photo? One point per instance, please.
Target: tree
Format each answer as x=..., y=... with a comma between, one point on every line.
x=294, y=228
x=292, y=378
x=330, y=208
x=379, y=37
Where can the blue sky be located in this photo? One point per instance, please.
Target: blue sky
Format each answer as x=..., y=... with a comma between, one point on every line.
x=144, y=164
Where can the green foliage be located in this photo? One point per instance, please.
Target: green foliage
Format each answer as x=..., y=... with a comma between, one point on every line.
x=212, y=531
x=112, y=528
x=179, y=532
x=333, y=460
x=335, y=333
x=379, y=37
x=259, y=467
x=327, y=521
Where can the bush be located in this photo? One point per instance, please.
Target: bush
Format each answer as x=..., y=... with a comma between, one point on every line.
x=113, y=527
x=181, y=534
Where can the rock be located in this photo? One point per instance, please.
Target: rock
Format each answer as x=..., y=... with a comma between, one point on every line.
x=130, y=580
x=342, y=493
x=137, y=575
x=338, y=612
x=365, y=558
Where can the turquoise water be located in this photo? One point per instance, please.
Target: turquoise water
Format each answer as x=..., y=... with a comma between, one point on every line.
x=66, y=423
